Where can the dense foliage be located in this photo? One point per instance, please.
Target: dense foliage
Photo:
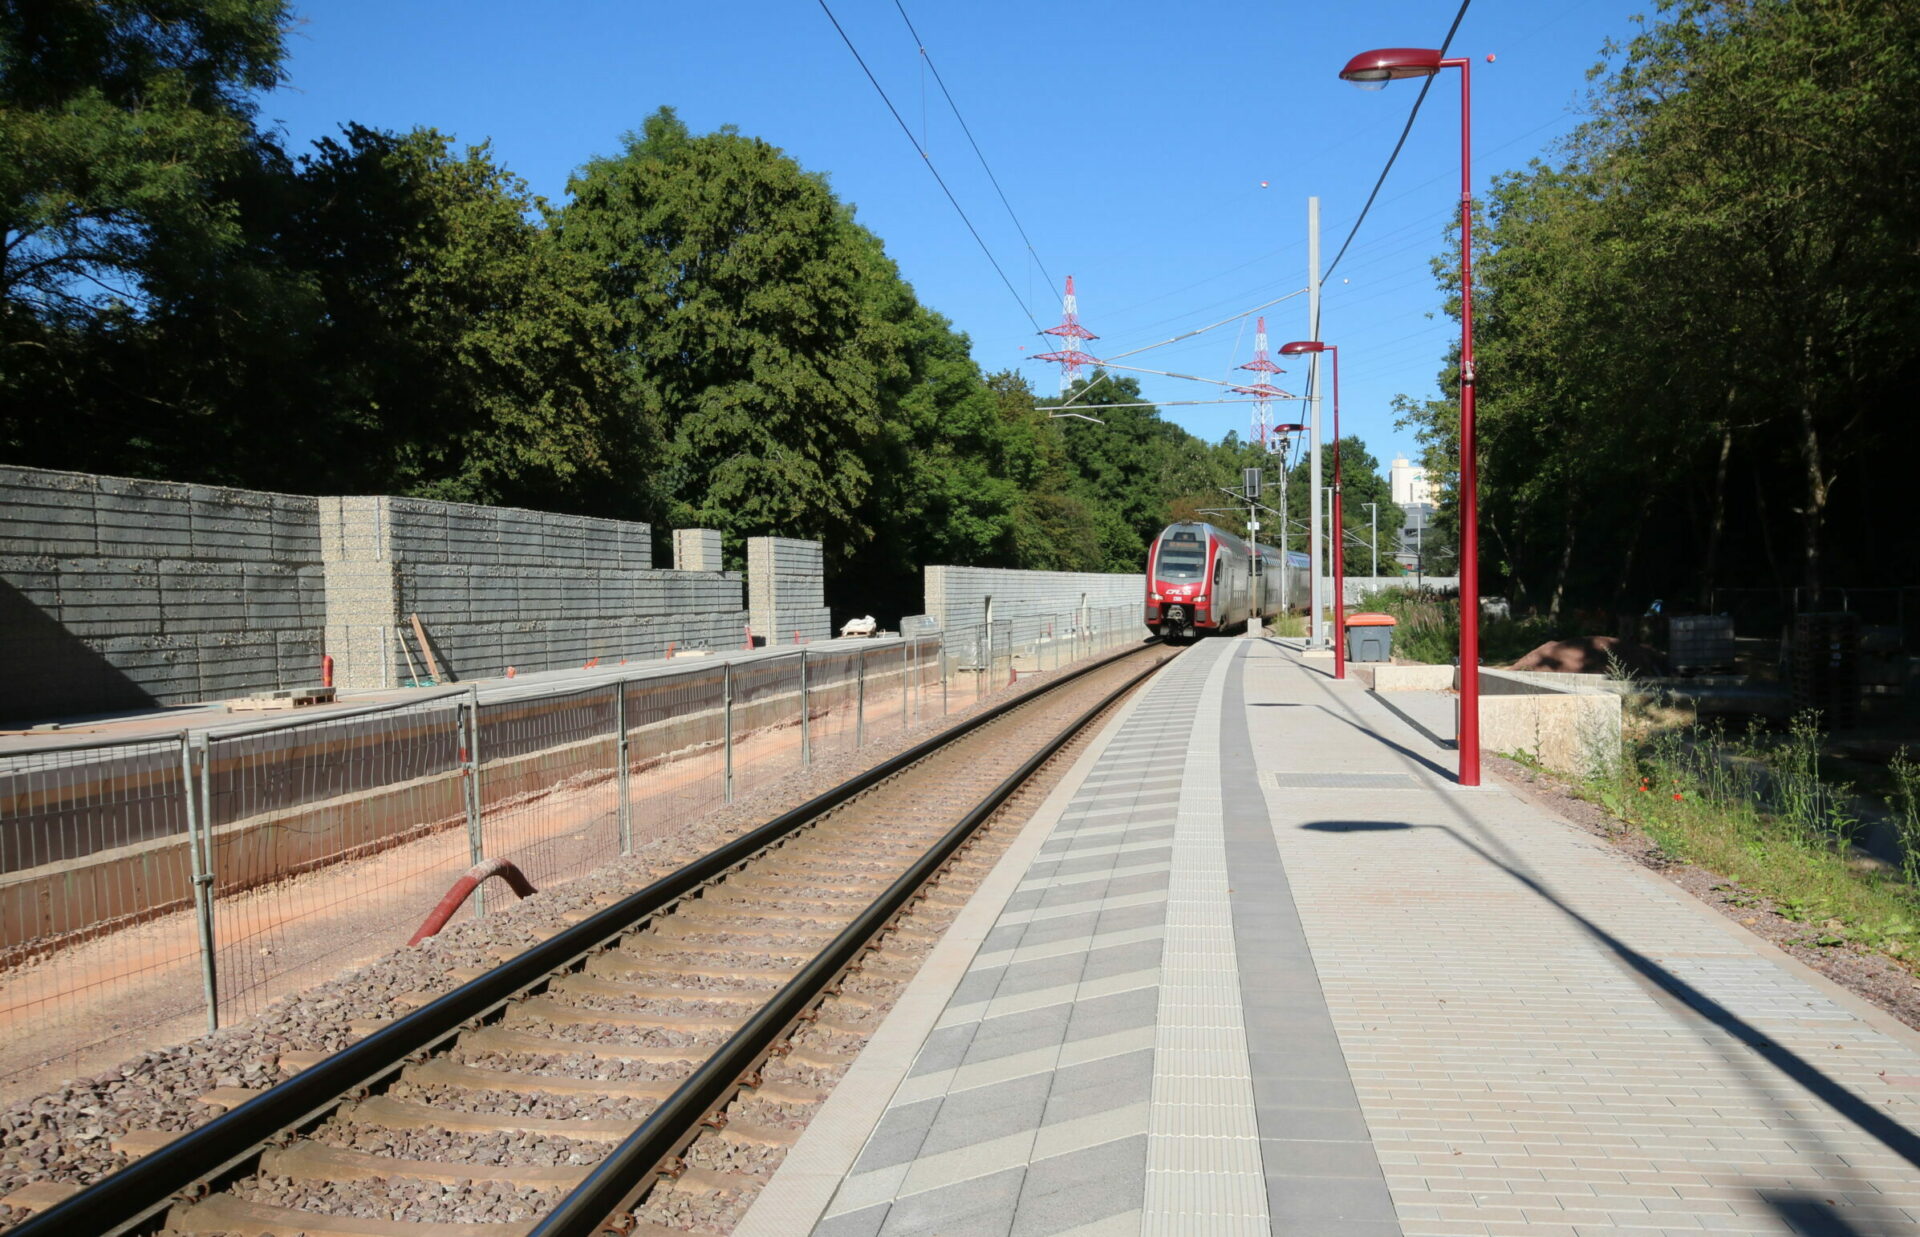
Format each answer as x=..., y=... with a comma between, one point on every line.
x=701, y=334
x=1693, y=327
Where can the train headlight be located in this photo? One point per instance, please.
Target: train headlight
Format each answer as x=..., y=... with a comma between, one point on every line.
x=1153, y=597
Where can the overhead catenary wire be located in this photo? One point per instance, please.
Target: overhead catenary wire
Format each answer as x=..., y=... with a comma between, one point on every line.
x=924, y=158
x=926, y=58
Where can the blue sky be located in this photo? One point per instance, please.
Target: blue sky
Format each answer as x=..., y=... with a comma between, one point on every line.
x=1131, y=138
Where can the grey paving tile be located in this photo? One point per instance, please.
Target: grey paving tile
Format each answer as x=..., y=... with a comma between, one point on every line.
x=1314, y=1124
x=944, y=1049
x=985, y=1113
x=1309, y=1058
x=1080, y=1187
x=1020, y=1032
x=1039, y=973
x=1100, y=1086
x=1305, y=1093
x=1122, y=918
x=1307, y=1201
x=978, y=986
x=1122, y=959
x=981, y=1207
x=1123, y=1011
x=898, y=1137
x=1101, y=863
x=1290, y=1157
x=1042, y=931
x=863, y=1223
x=1139, y=882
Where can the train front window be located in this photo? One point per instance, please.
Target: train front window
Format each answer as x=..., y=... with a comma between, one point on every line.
x=1182, y=557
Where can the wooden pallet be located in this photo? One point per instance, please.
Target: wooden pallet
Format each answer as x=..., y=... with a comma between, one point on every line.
x=291, y=698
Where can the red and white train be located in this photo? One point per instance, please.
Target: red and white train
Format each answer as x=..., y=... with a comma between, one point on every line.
x=1204, y=581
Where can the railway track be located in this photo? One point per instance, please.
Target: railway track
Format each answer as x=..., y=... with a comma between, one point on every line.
x=643, y=1069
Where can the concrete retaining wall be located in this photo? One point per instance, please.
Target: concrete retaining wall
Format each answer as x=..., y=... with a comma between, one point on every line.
x=498, y=587
x=1359, y=586
x=1569, y=726
x=120, y=594
x=957, y=596
x=785, y=593
x=697, y=549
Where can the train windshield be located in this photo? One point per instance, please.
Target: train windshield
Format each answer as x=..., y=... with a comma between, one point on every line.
x=1183, y=556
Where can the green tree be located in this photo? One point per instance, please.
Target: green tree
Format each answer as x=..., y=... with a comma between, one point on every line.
x=739, y=286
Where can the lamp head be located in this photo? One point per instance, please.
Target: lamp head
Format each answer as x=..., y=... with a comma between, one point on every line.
x=1373, y=70
x=1299, y=346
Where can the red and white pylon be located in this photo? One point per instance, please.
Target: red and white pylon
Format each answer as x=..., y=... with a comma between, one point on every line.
x=1071, y=357
x=1263, y=391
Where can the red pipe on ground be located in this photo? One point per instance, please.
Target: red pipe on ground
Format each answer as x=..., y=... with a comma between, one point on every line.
x=462, y=888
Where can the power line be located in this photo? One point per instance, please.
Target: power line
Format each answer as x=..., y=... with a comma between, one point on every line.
x=924, y=158
x=1425, y=85
x=927, y=58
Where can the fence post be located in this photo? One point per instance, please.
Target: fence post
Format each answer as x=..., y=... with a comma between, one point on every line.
x=860, y=700
x=985, y=671
x=726, y=695
x=806, y=716
x=906, y=673
x=476, y=835
x=626, y=771
x=194, y=781
x=945, y=674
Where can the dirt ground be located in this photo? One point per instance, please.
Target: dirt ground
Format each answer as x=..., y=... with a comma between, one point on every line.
x=1865, y=972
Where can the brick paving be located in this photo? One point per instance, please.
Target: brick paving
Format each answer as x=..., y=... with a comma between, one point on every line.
x=1444, y=1010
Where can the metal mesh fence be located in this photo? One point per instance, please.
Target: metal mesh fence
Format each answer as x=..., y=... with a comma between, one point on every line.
x=149, y=889
x=326, y=841
x=765, y=722
x=549, y=797
x=93, y=857
x=676, y=751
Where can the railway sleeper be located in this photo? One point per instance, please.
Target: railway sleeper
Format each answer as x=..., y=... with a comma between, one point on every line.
x=225, y=1214
x=397, y=1114
x=440, y=1072
x=546, y=1010
x=309, y=1161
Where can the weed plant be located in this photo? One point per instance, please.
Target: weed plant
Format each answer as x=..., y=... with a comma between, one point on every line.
x=1756, y=809
x=1429, y=627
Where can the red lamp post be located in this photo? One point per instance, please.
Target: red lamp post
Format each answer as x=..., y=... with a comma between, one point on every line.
x=1373, y=70
x=1296, y=348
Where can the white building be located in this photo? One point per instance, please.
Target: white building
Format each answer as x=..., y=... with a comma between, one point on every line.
x=1409, y=484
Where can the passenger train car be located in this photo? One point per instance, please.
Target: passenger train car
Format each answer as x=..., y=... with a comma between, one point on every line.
x=1202, y=581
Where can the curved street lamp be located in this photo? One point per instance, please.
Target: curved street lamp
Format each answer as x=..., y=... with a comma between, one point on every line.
x=1373, y=70
x=1296, y=348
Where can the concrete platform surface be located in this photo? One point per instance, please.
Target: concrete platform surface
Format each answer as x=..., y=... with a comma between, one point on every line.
x=1259, y=965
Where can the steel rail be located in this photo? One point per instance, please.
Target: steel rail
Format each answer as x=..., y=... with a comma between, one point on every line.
x=186, y=1168
x=624, y=1177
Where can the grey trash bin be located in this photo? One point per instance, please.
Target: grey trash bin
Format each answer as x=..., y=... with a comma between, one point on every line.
x=1370, y=637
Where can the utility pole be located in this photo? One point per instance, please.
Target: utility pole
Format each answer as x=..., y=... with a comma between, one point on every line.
x=1284, y=561
x=1250, y=482
x=1316, y=629
x=1374, y=509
